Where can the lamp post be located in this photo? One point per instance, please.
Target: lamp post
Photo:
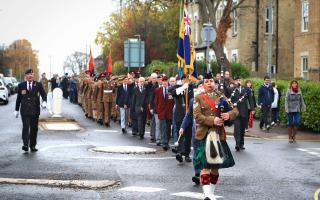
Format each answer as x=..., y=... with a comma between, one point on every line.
x=139, y=36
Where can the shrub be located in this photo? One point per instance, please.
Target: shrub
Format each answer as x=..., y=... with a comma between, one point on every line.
x=309, y=119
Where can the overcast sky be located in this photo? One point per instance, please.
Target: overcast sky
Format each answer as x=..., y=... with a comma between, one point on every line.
x=55, y=28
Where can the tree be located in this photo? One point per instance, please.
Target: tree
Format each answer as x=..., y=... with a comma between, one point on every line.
x=19, y=56
x=157, y=23
x=75, y=62
x=208, y=9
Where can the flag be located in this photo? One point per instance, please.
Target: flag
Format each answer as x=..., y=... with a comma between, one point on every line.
x=91, y=64
x=109, y=68
x=186, y=53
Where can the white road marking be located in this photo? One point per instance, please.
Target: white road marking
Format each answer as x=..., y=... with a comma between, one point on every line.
x=309, y=151
x=194, y=195
x=302, y=149
x=106, y=131
x=313, y=153
x=125, y=158
x=141, y=189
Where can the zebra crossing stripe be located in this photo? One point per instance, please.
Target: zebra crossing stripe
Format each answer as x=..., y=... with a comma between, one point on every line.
x=194, y=195
x=141, y=189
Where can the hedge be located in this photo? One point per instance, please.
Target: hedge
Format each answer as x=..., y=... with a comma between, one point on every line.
x=310, y=91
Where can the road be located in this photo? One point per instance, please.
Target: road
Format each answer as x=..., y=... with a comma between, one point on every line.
x=267, y=169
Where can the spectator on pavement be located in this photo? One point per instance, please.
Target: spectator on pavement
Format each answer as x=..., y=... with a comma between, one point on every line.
x=275, y=106
x=294, y=104
x=265, y=99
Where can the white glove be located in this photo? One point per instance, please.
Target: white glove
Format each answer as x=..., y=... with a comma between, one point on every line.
x=181, y=89
x=16, y=114
x=44, y=105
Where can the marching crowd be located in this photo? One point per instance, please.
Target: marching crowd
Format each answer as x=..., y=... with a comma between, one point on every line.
x=186, y=111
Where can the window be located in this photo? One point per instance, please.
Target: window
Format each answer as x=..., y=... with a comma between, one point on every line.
x=267, y=21
x=305, y=15
x=234, y=55
x=235, y=22
x=304, y=67
x=273, y=69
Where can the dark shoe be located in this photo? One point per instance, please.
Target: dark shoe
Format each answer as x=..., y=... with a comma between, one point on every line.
x=141, y=137
x=237, y=148
x=188, y=159
x=25, y=148
x=165, y=148
x=107, y=124
x=174, y=150
x=33, y=149
x=124, y=131
x=196, y=180
x=158, y=144
x=179, y=158
x=152, y=140
x=242, y=148
x=134, y=133
x=129, y=125
x=268, y=128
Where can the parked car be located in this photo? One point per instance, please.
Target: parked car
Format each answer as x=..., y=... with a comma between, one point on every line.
x=4, y=94
x=15, y=84
x=9, y=84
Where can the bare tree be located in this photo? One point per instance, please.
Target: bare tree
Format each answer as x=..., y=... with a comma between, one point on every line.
x=75, y=62
x=209, y=9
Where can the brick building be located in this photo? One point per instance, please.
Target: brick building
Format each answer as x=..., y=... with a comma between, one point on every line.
x=292, y=48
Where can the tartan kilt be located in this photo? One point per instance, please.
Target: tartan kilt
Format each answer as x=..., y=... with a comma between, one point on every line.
x=201, y=160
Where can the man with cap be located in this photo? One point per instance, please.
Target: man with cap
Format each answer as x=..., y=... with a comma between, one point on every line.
x=164, y=102
x=28, y=102
x=241, y=98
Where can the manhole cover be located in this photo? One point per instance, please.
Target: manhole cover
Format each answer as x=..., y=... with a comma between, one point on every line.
x=125, y=150
x=59, y=126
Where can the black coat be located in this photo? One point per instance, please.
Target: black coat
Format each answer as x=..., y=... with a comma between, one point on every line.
x=29, y=101
x=246, y=103
x=139, y=100
x=123, y=96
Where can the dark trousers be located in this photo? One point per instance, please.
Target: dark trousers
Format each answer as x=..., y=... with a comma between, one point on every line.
x=141, y=123
x=134, y=124
x=30, y=130
x=265, y=115
x=185, y=141
x=239, y=128
x=275, y=115
x=165, y=129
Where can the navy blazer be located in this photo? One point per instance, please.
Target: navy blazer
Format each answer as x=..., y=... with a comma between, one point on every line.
x=29, y=101
x=123, y=96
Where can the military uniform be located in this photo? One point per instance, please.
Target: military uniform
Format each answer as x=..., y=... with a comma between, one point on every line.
x=205, y=112
x=115, y=113
x=94, y=96
x=99, y=102
x=44, y=81
x=108, y=88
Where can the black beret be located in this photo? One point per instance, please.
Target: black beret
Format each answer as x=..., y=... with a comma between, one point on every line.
x=28, y=71
x=237, y=78
x=208, y=75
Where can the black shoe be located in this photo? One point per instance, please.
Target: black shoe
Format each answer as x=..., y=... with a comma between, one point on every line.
x=134, y=133
x=152, y=140
x=129, y=125
x=33, y=149
x=124, y=131
x=179, y=158
x=196, y=180
x=188, y=159
x=174, y=150
x=141, y=137
x=107, y=124
x=158, y=144
x=25, y=148
x=237, y=148
x=242, y=148
x=165, y=148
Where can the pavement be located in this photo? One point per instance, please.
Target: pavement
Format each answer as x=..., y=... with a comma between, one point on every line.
x=276, y=132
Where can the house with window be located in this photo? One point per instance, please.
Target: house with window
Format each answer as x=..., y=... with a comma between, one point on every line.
x=295, y=36
x=307, y=40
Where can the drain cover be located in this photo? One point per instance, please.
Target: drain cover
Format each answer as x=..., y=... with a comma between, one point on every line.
x=125, y=150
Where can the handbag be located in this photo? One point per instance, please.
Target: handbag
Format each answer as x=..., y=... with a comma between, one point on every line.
x=214, y=151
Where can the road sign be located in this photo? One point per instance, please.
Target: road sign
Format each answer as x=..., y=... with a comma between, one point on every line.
x=208, y=34
x=134, y=53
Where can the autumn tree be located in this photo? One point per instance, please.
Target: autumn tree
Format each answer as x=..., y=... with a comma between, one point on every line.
x=19, y=56
x=209, y=9
x=75, y=62
x=157, y=23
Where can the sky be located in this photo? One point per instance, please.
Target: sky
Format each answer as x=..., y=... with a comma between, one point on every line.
x=56, y=28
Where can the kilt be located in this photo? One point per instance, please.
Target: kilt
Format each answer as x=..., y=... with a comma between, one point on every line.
x=201, y=160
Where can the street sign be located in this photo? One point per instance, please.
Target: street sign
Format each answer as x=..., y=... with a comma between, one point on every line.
x=134, y=53
x=208, y=34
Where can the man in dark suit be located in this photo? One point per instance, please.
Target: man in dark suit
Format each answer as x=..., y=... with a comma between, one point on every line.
x=28, y=102
x=139, y=103
x=242, y=98
x=122, y=102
